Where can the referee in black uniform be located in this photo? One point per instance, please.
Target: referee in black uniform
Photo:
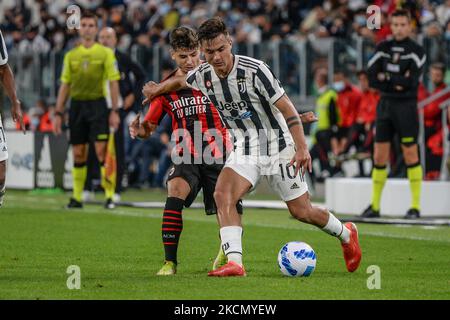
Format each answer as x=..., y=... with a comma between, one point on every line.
x=395, y=69
x=132, y=79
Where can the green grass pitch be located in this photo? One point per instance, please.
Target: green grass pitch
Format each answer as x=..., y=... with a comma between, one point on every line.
x=120, y=251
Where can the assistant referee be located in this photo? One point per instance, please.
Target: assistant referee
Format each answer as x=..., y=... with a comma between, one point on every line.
x=86, y=67
x=395, y=70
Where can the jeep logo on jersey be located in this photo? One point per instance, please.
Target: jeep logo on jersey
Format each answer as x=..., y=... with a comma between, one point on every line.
x=240, y=105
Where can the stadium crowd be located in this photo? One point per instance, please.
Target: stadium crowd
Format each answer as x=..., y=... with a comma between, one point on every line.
x=40, y=25
x=345, y=109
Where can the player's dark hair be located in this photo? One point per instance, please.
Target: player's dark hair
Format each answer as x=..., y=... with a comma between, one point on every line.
x=89, y=15
x=212, y=28
x=439, y=66
x=401, y=13
x=362, y=72
x=183, y=38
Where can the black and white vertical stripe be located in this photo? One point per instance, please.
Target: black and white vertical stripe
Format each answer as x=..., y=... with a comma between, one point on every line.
x=3, y=52
x=245, y=100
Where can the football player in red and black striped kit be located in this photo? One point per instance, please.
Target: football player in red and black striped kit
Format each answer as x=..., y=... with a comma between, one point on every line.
x=197, y=129
x=201, y=145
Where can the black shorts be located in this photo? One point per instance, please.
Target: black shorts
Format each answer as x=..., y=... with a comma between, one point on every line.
x=397, y=116
x=200, y=176
x=88, y=121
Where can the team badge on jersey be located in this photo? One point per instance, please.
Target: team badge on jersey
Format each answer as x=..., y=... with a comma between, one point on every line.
x=242, y=85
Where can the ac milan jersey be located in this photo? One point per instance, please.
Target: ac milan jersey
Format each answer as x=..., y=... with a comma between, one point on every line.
x=194, y=120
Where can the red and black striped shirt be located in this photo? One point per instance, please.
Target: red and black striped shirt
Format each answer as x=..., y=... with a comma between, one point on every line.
x=194, y=119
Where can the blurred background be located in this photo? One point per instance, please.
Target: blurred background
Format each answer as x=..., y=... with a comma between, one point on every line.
x=302, y=41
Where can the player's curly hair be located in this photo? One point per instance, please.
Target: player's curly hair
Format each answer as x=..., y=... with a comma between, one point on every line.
x=183, y=38
x=211, y=29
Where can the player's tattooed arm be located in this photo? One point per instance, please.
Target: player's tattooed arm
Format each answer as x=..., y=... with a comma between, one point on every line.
x=152, y=89
x=302, y=158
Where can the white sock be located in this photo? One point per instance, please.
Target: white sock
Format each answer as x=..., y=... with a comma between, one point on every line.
x=337, y=228
x=232, y=243
x=2, y=194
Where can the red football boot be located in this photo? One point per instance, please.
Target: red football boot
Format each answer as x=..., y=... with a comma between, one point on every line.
x=352, y=250
x=231, y=269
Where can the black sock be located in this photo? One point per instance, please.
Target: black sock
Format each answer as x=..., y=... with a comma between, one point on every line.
x=172, y=226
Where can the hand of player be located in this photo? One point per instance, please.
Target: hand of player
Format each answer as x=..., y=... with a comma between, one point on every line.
x=16, y=112
x=150, y=91
x=134, y=126
x=302, y=160
x=114, y=120
x=308, y=117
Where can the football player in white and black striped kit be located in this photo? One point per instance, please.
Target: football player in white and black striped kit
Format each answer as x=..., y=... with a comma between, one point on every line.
x=268, y=141
x=9, y=85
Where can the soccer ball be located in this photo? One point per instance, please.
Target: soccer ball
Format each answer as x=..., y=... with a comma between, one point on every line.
x=297, y=259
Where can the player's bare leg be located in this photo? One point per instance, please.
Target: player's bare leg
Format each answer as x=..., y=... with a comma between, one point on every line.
x=415, y=175
x=230, y=188
x=302, y=210
x=172, y=225
x=79, y=172
x=2, y=181
x=379, y=176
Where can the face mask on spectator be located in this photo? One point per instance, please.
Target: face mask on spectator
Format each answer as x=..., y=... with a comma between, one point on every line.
x=339, y=86
x=225, y=5
x=447, y=35
x=360, y=20
x=35, y=122
x=184, y=10
x=58, y=38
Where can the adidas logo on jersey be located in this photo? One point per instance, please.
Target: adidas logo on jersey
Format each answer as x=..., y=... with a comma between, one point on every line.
x=4, y=149
x=295, y=186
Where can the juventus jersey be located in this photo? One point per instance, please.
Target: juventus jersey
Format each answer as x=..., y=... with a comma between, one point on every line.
x=3, y=52
x=245, y=100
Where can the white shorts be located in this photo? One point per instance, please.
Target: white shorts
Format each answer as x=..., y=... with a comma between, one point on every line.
x=275, y=168
x=3, y=145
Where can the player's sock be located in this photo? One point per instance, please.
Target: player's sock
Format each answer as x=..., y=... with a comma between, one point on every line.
x=336, y=228
x=79, y=173
x=2, y=194
x=379, y=176
x=172, y=226
x=107, y=186
x=231, y=238
x=414, y=173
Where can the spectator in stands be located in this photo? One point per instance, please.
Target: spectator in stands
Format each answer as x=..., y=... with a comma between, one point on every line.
x=433, y=124
x=361, y=134
x=348, y=102
x=324, y=132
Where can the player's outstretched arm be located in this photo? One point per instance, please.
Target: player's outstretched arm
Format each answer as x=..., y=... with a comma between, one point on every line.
x=140, y=130
x=302, y=158
x=152, y=89
x=7, y=79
